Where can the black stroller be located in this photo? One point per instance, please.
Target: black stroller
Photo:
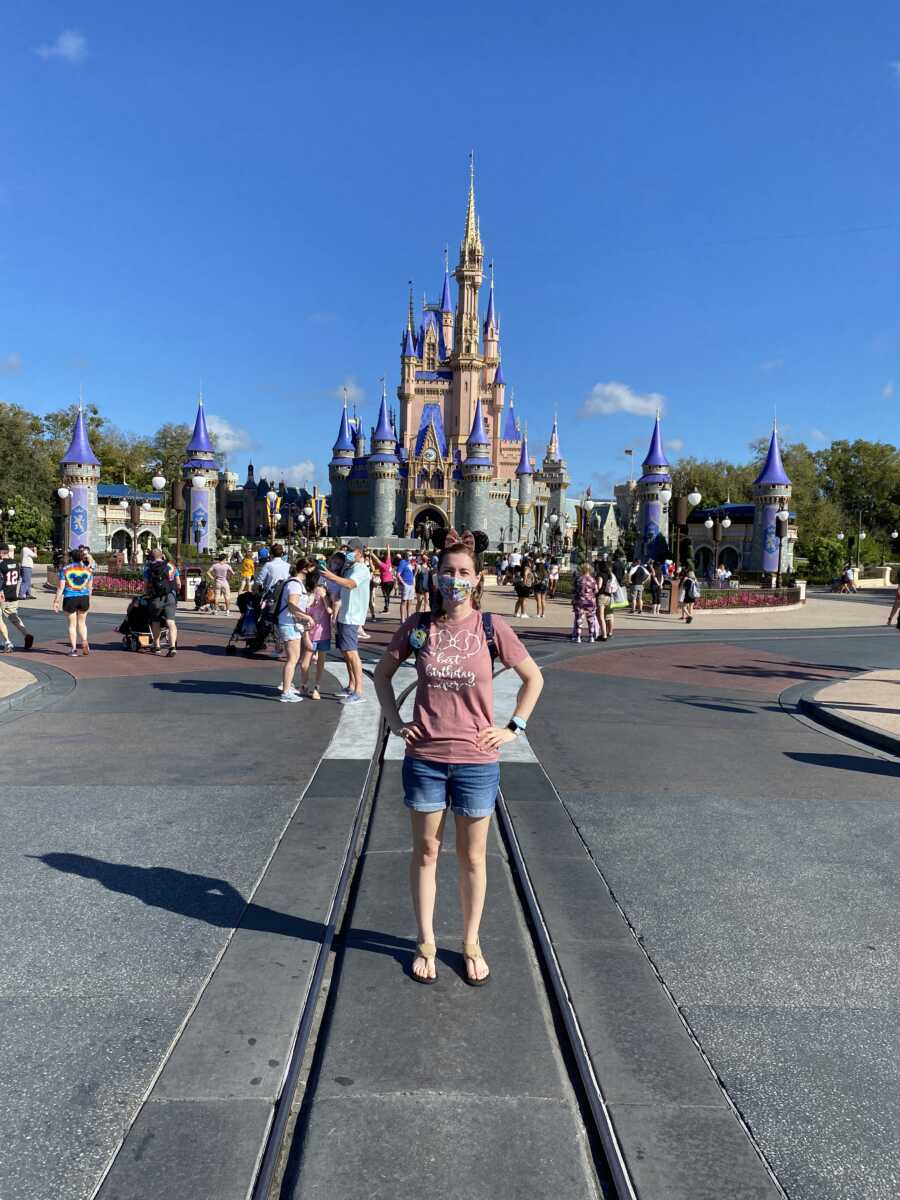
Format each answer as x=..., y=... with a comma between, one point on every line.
x=135, y=629
x=255, y=626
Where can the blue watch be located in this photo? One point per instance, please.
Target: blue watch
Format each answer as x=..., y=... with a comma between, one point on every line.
x=517, y=725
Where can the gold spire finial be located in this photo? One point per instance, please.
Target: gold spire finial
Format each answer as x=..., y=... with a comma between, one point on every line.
x=471, y=234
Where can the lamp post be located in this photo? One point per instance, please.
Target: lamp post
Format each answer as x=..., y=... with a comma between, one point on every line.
x=309, y=513
x=65, y=511
x=7, y=514
x=782, y=517
x=554, y=534
x=682, y=506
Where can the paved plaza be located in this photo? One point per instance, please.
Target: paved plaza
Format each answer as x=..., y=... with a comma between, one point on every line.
x=716, y=870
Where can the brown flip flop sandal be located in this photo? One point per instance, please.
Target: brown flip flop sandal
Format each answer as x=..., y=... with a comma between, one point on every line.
x=473, y=950
x=426, y=950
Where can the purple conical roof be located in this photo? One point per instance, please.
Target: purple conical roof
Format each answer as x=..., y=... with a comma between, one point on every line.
x=446, y=302
x=200, y=443
x=79, y=450
x=409, y=345
x=478, y=435
x=510, y=428
x=490, y=321
x=344, y=437
x=383, y=431
x=498, y=374
x=773, y=468
x=524, y=467
x=656, y=456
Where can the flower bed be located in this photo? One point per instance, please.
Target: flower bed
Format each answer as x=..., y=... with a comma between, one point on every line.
x=748, y=597
x=117, y=585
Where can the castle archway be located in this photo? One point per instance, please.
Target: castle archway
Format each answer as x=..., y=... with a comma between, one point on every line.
x=428, y=512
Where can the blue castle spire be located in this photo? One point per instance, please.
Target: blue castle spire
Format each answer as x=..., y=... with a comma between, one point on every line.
x=490, y=321
x=79, y=450
x=510, y=426
x=383, y=431
x=773, y=471
x=344, y=437
x=524, y=467
x=498, y=374
x=200, y=443
x=446, y=302
x=656, y=456
x=409, y=345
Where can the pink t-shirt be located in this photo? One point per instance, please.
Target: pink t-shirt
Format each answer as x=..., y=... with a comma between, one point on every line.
x=385, y=570
x=220, y=572
x=318, y=610
x=455, y=692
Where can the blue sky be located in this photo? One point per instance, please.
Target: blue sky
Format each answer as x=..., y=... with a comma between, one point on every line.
x=695, y=201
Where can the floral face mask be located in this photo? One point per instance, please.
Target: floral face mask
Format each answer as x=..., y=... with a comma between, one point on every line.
x=455, y=590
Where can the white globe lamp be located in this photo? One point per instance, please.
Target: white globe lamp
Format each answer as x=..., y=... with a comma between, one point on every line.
x=159, y=482
x=694, y=498
x=63, y=493
x=708, y=522
x=665, y=495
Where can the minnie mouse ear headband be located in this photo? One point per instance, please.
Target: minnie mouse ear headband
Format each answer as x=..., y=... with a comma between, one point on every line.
x=464, y=539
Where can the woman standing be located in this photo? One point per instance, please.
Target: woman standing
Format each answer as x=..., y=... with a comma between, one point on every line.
x=584, y=603
x=422, y=584
x=655, y=586
x=523, y=582
x=76, y=582
x=540, y=588
x=292, y=619
x=609, y=587
x=452, y=743
x=553, y=578
x=690, y=593
x=385, y=568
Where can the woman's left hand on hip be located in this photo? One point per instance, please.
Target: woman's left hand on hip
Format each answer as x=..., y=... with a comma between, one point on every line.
x=494, y=737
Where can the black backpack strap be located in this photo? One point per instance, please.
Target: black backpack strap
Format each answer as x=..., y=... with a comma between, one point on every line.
x=487, y=624
x=277, y=595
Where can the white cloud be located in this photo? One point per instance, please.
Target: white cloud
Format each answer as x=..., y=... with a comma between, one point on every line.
x=608, y=398
x=888, y=390
x=818, y=435
x=11, y=364
x=70, y=46
x=301, y=474
x=355, y=393
x=675, y=443
x=772, y=364
x=228, y=438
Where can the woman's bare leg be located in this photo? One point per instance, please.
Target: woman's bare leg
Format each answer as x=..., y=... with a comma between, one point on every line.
x=292, y=656
x=81, y=625
x=427, y=834
x=471, y=850
x=73, y=630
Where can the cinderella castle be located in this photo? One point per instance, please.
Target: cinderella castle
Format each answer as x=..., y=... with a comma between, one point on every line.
x=453, y=452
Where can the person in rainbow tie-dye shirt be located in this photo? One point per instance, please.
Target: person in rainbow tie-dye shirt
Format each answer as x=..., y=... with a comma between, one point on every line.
x=76, y=580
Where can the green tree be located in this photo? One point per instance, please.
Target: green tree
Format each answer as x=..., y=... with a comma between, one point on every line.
x=32, y=522
x=716, y=481
x=863, y=476
x=25, y=467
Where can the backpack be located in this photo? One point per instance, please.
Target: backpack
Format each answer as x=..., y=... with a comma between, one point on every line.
x=692, y=590
x=424, y=625
x=540, y=573
x=160, y=583
x=641, y=575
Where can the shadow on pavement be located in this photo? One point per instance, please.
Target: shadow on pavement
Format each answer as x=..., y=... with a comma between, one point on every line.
x=218, y=687
x=200, y=897
x=847, y=762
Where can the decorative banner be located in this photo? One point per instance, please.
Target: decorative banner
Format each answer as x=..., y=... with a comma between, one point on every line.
x=79, y=518
x=771, y=546
x=652, y=518
x=320, y=513
x=273, y=505
x=199, y=518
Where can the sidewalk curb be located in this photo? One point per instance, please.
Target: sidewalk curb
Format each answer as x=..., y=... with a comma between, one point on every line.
x=861, y=731
x=49, y=683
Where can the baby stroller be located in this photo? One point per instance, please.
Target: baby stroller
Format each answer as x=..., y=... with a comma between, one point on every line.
x=135, y=629
x=255, y=626
x=201, y=597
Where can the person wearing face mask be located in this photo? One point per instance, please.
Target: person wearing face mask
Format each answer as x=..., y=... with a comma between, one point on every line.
x=355, y=583
x=452, y=742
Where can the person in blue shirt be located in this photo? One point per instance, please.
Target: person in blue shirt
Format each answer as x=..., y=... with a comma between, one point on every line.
x=76, y=581
x=407, y=580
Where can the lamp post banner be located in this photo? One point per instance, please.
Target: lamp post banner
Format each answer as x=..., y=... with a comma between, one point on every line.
x=770, y=544
x=200, y=513
x=79, y=519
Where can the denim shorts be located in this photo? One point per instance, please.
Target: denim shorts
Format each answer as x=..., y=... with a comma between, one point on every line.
x=289, y=633
x=469, y=788
x=322, y=644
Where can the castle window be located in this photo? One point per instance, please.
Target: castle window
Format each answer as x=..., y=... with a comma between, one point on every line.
x=422, y=479
x=437, y=481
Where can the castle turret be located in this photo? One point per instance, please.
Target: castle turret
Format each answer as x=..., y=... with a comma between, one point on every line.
x=771, y=496
x=491, y=329
x=81, y=474
x=477, y=471
x=447, y=307
x=339, y=471
x=525, y=476
x=383, y=469
x=653, y=514
x=556, y=476
x=201, y=469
